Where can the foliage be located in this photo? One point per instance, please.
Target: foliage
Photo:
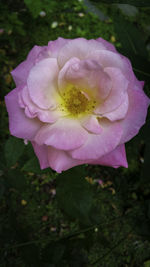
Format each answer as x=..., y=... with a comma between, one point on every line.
x=140, y=3
x=89, y=215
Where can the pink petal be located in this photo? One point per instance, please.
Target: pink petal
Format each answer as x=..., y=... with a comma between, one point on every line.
x=107, y=59
x=20, y=73
x=110, y=59
x=126, y=67
x=107, y=44
x=42, y=154
x=136, y=115
x=19, y=125
x=64, y=134
x=60, y=160
x=120, y=112
x=55, y=46
x=117, y=94
x=115, y=158
x=88, y=75
x=32, y=110
x=62, y=82
x=42, y=83
x=79, y=48
x=91, y=124
x=98, y=145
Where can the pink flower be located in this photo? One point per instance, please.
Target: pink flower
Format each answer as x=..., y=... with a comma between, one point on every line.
x=78, y=101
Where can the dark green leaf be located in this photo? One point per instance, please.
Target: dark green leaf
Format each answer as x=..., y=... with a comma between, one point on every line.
x=133, y=46
x=14, y=148
x=130, y=11
x=146, y=138
x=74, y=194
x=30, y=255
x=141, y=3
x=32, y=165
x=34, y=6
x=130, y=37
x=2, y=187
x=53, y=252
x=15, y=179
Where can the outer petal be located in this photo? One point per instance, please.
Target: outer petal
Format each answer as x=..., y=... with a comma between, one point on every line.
x=19, y=124
x=117, y=94
x=107, y=44
x=42, y=83
x=115, y=159
x=98, y=145
x=55, y=46
x=107, y=58
x=20, y=73
x=60, y=160
x=65, y=134
x=42, y=154
x=136, y=115
x=110, y=59
x=80, y=48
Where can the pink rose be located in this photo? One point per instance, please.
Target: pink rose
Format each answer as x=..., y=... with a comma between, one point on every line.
x=78, y=101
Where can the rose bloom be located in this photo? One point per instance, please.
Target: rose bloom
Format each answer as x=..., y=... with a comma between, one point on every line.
x=78, y=101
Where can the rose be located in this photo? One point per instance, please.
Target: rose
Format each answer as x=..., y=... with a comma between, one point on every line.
x=78, y=101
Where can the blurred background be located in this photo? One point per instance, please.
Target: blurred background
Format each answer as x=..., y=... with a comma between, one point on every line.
x=93, y=215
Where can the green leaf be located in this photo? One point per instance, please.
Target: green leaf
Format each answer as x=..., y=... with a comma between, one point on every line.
x=14, y=148
x=130, y=37
x=32, y=165
x=74, y=194
x=2, y=188
x=133, y=46
x=128, y=10
x=34, y=6
x=147, y=263
x=30, y=255
x=14, y=178
x=140, y=3
x=146, y=138
x=53, y=252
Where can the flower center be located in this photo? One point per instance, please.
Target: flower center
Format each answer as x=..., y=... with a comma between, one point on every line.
x=77, y=102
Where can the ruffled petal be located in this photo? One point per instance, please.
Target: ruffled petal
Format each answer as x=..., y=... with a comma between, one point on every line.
x=42, y=154
x=32, y=110
x=136, y=115
x=87, y=75
x=120, y=112
x=98, y=145
x=62, y=81
x=107, y=59
x=42, y=83
x=64, y=134
x=60, y=160
x=115, y=158
x=91, y=124
x=79, y=48
x=19, y=125
x=107, y=44
x=20, y=73
x=55, y=46
x=117, y=94
x=110, y=59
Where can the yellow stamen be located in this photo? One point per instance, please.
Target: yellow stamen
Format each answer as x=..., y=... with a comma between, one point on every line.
x=76, y=102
